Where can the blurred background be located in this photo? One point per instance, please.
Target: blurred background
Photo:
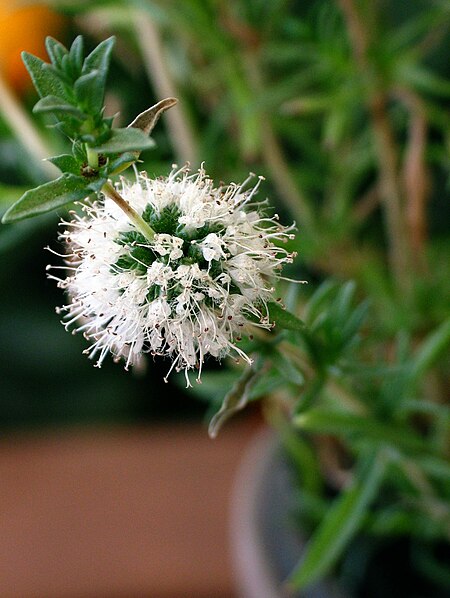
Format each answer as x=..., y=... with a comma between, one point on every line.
x=346, y=118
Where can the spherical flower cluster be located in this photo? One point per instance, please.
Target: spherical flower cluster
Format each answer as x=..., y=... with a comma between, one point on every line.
x=189, y=292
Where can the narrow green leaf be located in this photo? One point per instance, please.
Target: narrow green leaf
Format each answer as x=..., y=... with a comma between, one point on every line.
x=305, y=459
x=55, y=50
x=354, y=322
x=284, y=318
x=66, y=163
x=90, y=91
x=76, y=53
x=68, y=69
x=90, y=87
x=44, y=79
x=340, y=524
x=320, y=296
x=100, y=57
x=125, y=140
x=432, y=348
x=344, y=298
x=327, y=421
x=47, y=197
x=54, y=104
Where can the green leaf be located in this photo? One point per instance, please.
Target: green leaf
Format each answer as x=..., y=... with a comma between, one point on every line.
x=284, y=318
x=54, y=104
x=44, y=79
x=55, y=50
x=340, y=524
x=90, y=91
x=66, y=163
x=47, y=197
x=76, y=53
x=354, y=321
x=342, y=423
x=432, y=349
x=99, y=58
x=90, y=87
x=125, y=140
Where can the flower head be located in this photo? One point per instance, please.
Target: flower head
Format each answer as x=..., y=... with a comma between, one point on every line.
x=189, y=292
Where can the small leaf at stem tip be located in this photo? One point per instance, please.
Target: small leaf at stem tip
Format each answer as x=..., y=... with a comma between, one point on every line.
x=145, y=121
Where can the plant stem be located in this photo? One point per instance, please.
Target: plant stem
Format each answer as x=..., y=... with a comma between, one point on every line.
x=92, y=157
x=133, y=216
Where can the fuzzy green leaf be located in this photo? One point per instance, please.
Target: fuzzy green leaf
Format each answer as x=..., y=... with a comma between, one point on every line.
x=44, y=79
x=99, y=58
x=125, y=140
x=54, y=104
x=89, y=91
x=90, y=87
x=284, y=318
x=55, y=50
x=66, y=163
x=47, y=197
x=76, y=53
x=340, y=524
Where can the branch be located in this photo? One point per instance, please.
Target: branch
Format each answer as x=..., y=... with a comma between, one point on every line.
x=415, y=175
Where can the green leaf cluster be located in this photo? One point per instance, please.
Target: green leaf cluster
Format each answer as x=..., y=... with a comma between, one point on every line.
x=72, y=89
x=388, y=442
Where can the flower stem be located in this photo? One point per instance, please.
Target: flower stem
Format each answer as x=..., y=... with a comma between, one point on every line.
x=133, y=216
x=92, y=157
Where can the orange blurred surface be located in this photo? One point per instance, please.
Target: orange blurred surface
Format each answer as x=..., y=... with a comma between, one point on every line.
x=124, y=512
x=24, y=28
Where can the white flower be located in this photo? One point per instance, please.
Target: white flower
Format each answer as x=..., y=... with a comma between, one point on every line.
x=190, y=292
